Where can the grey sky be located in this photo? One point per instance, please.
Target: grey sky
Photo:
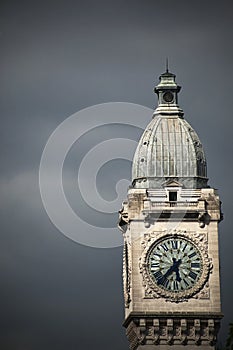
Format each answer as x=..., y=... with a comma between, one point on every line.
x=57, y=58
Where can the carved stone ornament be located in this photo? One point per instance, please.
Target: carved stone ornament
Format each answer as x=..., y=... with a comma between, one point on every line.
x=123, y=219
x=192, y=332
x=153, y=290
x=127, y=272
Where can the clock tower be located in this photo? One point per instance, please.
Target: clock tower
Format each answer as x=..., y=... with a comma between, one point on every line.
x=170, y=227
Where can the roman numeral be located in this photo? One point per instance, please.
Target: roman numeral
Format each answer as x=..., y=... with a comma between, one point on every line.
x=195, y=265
x=175, y=285
x=174, y=244
x=192, y=255
x=163, y=281
x=185, y=282
x=156, y=254
x=193, y=275
x=164, y=246
x=158, y=275
x=184, y=247
x=155, y=264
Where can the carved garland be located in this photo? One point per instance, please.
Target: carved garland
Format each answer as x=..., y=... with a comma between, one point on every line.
x=151, y=289
x=126, y=272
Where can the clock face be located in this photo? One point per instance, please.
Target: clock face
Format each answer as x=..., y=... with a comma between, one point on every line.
x=175, y=264
x=168, y=96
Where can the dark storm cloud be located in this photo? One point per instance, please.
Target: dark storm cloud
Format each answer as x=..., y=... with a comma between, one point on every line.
x=59, y=57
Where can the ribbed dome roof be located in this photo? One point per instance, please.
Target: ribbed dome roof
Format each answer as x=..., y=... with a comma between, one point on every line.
x=169, y=148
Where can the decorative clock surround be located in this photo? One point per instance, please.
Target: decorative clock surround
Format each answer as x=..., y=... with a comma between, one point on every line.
x=192, y=284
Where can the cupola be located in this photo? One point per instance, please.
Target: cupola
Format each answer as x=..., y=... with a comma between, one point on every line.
x=169, y=148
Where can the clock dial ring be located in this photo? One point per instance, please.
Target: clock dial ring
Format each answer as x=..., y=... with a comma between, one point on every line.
x=175, y=264
x=154, y=289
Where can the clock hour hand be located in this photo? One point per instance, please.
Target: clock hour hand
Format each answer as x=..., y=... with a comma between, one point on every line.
x=163, y=278
x=169, y=271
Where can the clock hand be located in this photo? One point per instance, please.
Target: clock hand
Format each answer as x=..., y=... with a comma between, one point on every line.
x=163, y=278
x=177, y=264
x=169, y=271
x=174, y=268
x=177, y=275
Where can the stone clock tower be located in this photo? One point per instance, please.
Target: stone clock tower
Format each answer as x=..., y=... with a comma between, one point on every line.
x=170, y=227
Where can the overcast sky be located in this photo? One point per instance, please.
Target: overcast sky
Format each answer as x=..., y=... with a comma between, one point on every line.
x=58, y=57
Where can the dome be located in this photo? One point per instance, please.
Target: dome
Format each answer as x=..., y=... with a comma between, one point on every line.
x=169, y=147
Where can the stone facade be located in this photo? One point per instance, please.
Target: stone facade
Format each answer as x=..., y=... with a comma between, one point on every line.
x=196, y=318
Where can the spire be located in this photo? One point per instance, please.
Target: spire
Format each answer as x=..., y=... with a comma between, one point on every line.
x=167, y=71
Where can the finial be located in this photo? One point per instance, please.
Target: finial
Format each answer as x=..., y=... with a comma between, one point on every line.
x=167, y=65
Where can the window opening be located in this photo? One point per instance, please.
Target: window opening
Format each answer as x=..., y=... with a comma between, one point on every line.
x=172, y=196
